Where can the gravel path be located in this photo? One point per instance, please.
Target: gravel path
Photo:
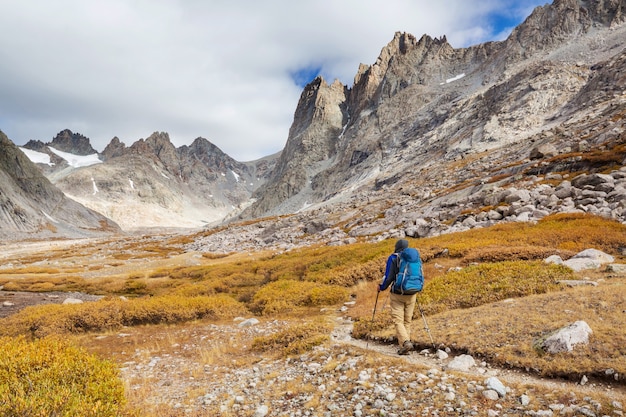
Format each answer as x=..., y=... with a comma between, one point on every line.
x=344, y=378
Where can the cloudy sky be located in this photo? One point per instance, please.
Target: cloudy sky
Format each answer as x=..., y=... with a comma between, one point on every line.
x=230, y=71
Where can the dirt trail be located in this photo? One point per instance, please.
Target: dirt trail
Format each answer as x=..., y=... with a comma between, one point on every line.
x=342, y=334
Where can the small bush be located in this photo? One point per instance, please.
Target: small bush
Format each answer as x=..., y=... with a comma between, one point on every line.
x=48, y=377
x=295, y=339
x=40, y=321
x=284, y=295
x=486, y=283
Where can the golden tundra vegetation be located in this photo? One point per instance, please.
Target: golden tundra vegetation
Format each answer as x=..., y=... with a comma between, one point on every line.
x=487, y=293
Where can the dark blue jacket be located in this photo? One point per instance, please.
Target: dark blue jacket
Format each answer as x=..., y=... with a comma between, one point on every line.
x=391, y=271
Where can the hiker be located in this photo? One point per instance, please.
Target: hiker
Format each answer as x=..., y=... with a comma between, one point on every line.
x=402, y=300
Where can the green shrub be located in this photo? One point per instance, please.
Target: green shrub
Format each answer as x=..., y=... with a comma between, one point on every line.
x=48, y=377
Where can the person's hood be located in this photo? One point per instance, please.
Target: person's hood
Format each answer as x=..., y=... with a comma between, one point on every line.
x=410, y=254
x=401, y=245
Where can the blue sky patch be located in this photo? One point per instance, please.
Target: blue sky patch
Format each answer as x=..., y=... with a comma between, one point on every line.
x=303, y=76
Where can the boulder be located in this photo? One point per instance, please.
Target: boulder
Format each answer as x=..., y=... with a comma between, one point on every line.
x=461, y=363
x=616, y=268
x=547, y=150
x=494, y=383
x=554, y=259
x=564, y=339
x=598, y=255
x=592, y=180
x=588, y=259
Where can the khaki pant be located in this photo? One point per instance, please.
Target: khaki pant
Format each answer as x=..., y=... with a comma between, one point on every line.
x=402, y=307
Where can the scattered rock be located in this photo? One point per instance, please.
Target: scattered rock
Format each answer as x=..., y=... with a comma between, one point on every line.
x=249, y=322
x=461, y=363
x=494, y=383
x=588, y=259
x=577, y=282
x=491, y=395
x=564, y=339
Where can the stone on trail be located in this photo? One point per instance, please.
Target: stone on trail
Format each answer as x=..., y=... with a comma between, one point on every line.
x=461, y=363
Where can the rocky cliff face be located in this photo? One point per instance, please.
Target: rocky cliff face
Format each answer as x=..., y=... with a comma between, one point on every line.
x=31, y=207
x=424, y=105
x=313, y=136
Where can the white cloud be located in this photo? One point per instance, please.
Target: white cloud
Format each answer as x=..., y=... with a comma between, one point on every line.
x=219, y=69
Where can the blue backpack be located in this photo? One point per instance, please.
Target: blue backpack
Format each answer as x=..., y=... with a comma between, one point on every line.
x=410, y=278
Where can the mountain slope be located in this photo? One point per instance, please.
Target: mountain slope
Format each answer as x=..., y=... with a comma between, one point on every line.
x=30, y=206
x=424, y=105
x=154, y=184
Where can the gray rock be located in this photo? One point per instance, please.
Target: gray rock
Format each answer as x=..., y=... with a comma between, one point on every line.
x=461, y=363
x=261, y=411
x=441, y=354
x=588, y=259
x=577, y=282
x=592, y=180
x=71, y=300
x=494, y=384
x=554, y=259
x=249, y=322
x=582, y=264
x=491, y=395
x=545, y=150
x=517, y=195
x=564, y=339
x=603, y=258
x=616, y=268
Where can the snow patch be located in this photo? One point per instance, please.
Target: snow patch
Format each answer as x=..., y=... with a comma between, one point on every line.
x=236, y=175
x=77, y=161
x=95, y=187
x=37, y=157
x=449, y=80
x=132, y=185
x=165, y=176
x=49, y=217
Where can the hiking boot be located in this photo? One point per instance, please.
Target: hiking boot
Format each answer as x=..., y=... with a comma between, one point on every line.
x=406, y=348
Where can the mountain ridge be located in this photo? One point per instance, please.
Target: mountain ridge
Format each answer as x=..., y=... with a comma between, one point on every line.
x=417, y=119
x=30, y=206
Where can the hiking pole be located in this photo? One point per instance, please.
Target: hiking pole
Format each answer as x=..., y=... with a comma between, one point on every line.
x=372, y=322
x=426, y=324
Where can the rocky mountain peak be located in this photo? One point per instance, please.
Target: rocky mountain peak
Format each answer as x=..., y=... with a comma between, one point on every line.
x=317, y=126
x=73, y=143
x=550, y=25
x=114, y=149
x=31, y=206
x=404, y=51
x=209, y=154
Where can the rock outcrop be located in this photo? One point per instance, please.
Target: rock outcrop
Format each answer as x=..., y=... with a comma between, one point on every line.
x=153, y=184
x=31, y=207
x=425, y=105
